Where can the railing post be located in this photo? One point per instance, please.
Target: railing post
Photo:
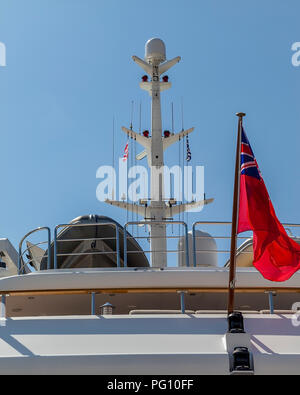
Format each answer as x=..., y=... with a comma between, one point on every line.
x=55, y=248
x=271, y=302
x=182, y=301
x=93, y=300
x=3, y=306
x=118, y=246
x=194, y=245
x=125, y=245
x=187, y=256
x=19, y=262
x=49, y=249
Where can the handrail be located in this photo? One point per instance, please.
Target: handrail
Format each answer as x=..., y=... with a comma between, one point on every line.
x=156, y=223
x=162, y=290
x=229, y=223
x=194, y=236
x=21, y=263
x=227, y=237
x=127, y=236
x=84, y=225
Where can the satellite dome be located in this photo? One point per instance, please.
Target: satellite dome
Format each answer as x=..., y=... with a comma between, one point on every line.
x=155, y=50
x=206, y=250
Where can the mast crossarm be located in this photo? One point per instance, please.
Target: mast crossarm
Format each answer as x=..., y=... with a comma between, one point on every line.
x=144, y=141
x=176, y=137
x=162, y=68
x=141, y=155
x=134, y=208
x=180, y=208
x=167, y=65
x=144, y=65
x=167, y=142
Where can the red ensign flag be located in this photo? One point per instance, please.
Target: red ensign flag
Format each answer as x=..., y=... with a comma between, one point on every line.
x=276, y=255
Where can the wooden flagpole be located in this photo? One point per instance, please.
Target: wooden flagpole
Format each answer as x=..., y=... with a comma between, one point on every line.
x=235, y=209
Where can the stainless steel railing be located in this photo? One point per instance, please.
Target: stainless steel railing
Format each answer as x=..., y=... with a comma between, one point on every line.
x=287, y=226
x=61, y=226
x=156, y=223
x=22, y=264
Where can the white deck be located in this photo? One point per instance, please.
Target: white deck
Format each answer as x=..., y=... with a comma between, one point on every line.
x=113, y=278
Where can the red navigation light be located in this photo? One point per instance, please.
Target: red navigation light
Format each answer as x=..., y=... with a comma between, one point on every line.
x=167, y=133
x=145, y=78
x=146, y=133
x=165, y=78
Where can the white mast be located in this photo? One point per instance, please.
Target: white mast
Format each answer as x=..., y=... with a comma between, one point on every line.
x=155, y=65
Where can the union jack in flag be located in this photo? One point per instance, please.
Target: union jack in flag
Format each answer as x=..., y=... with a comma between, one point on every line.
x=125, y=156
x=249, y=166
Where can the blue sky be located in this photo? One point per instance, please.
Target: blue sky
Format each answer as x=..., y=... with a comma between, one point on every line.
x=69, y=71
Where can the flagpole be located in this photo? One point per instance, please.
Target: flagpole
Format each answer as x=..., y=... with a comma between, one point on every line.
x=235, y=209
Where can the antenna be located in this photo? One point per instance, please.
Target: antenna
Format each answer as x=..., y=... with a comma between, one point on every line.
x=172, y=113
x=113, y=142
x=182, y=113
x=131, y=117
x=113, y=153
x=140, y=118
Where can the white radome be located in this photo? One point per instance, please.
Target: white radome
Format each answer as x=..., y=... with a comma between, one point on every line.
x=155, y=50
x=206, y=247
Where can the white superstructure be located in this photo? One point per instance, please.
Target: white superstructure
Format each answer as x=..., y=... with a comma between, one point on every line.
x=87, y=300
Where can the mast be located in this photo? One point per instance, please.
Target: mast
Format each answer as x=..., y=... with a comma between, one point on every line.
x=155, y=54
x=158, y=209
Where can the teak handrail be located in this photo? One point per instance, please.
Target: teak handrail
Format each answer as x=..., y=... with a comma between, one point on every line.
x=146, y=290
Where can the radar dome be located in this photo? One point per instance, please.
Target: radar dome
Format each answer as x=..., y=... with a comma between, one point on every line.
x=155, y=50
x=206, y=250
